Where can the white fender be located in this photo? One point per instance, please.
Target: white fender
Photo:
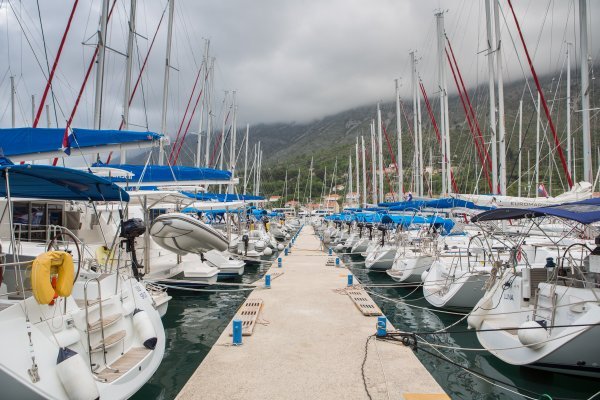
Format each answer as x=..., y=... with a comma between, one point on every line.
x=75, y=376
x=144, y=328
x=424, y=275
x=533, y=336
x=280, y=247
x=268, y=251
x=475, y=319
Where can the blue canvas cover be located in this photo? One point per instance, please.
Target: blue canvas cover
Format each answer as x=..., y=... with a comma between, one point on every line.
x=165, y=173
x=19, y=141
x=223, y=197
x=57, y=183
x=585, y=212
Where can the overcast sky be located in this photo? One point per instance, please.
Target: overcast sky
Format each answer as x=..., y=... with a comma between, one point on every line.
x=288, y=60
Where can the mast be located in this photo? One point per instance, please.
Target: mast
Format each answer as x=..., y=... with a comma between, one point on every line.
x=585, y=64
x=222, y=149
x=520, y=142
x=420, y=146
x=364, y=171
x=202, y=106
x=246, y=157
x=232, y=143
x=32, y=109
x=209, y=122
x=47, y=116
x=380, y=152
x=255, y=164
x=501, y=126
x=373, y=164
x=399, y=136
x=357, y=173
x=310, y=179
x=492, y=94
x=100, y=66
x=569, y=108
x=350, y=177
x=537, y=144
x=12, y=102
x=415, y=167
x=161, y=152
x=128, y=66
x=443, y=109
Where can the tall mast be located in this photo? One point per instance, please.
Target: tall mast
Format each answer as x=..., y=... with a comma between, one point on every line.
x=100, y=65
x=209, y=99
x=350, y=177
x=413, y=80
x=501, y=126
x=569, y=109
x=537, y=143
x=47, y=116
x=32, y=109
x=380, y=152
x=373, y=164
x=364, y=172
x=128, y=66
x=246, y=157
x=585, y=64
x=163, y=126
x=399, y=137
x=420, y=148
x=222, y=148
x=255, y=164
x=441, y=47
x=492, y=94
x=285, y=187
x=357, y=173
x=232, y=142
x=203, y=104
x=520, y=142
x=311, y=179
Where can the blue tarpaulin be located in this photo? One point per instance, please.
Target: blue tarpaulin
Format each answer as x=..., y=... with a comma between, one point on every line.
x=21, y=141
x=57, y=183
x=165, y=173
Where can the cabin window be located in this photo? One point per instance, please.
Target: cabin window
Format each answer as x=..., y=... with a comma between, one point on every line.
x=31, y=219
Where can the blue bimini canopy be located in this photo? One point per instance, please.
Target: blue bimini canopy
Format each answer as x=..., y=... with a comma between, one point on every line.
x=223, y=198
x=585, y=212
x=164, y=175
x=57, y=183
x=22, y=144
x=408, y=205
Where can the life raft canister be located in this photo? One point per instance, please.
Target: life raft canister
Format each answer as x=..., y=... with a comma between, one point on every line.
x=46, y=264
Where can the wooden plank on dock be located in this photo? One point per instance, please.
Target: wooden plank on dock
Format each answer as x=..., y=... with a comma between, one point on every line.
x=248, y=313
x=363, y=302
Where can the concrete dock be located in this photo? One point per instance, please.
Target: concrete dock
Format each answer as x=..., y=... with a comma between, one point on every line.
x=309, y=343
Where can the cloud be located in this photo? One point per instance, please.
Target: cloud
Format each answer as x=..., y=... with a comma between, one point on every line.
x=288, y=60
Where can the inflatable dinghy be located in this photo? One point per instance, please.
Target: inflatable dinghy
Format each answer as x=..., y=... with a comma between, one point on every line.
x=182, y=234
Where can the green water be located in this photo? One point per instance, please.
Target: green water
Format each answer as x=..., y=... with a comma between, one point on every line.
x=193, y=324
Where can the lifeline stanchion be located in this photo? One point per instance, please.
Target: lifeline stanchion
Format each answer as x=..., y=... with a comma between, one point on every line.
x=237, y=332
x=279, y=261
x=268, y=281
x=381, y=326
x=350, y=280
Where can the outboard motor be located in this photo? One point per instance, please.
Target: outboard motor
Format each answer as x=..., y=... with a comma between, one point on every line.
x=245, y=239
x=370, y=228
x=382, y=228
x=360, y=226
x=131, y=229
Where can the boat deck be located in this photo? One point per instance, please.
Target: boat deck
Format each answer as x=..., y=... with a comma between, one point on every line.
x=310, y=341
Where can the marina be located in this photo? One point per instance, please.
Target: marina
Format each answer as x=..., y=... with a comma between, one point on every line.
x=291, y=200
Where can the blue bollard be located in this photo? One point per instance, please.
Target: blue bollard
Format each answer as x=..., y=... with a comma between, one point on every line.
x=381, y=326
x=268, y=281
x=330, y=251
x=237, y=332
x=350, y=280
x=285, y=251
x=290, y=249
x=337, y=261
x=279, y=261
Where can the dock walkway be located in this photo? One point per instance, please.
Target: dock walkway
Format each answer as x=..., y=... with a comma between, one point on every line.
x=309, y=343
